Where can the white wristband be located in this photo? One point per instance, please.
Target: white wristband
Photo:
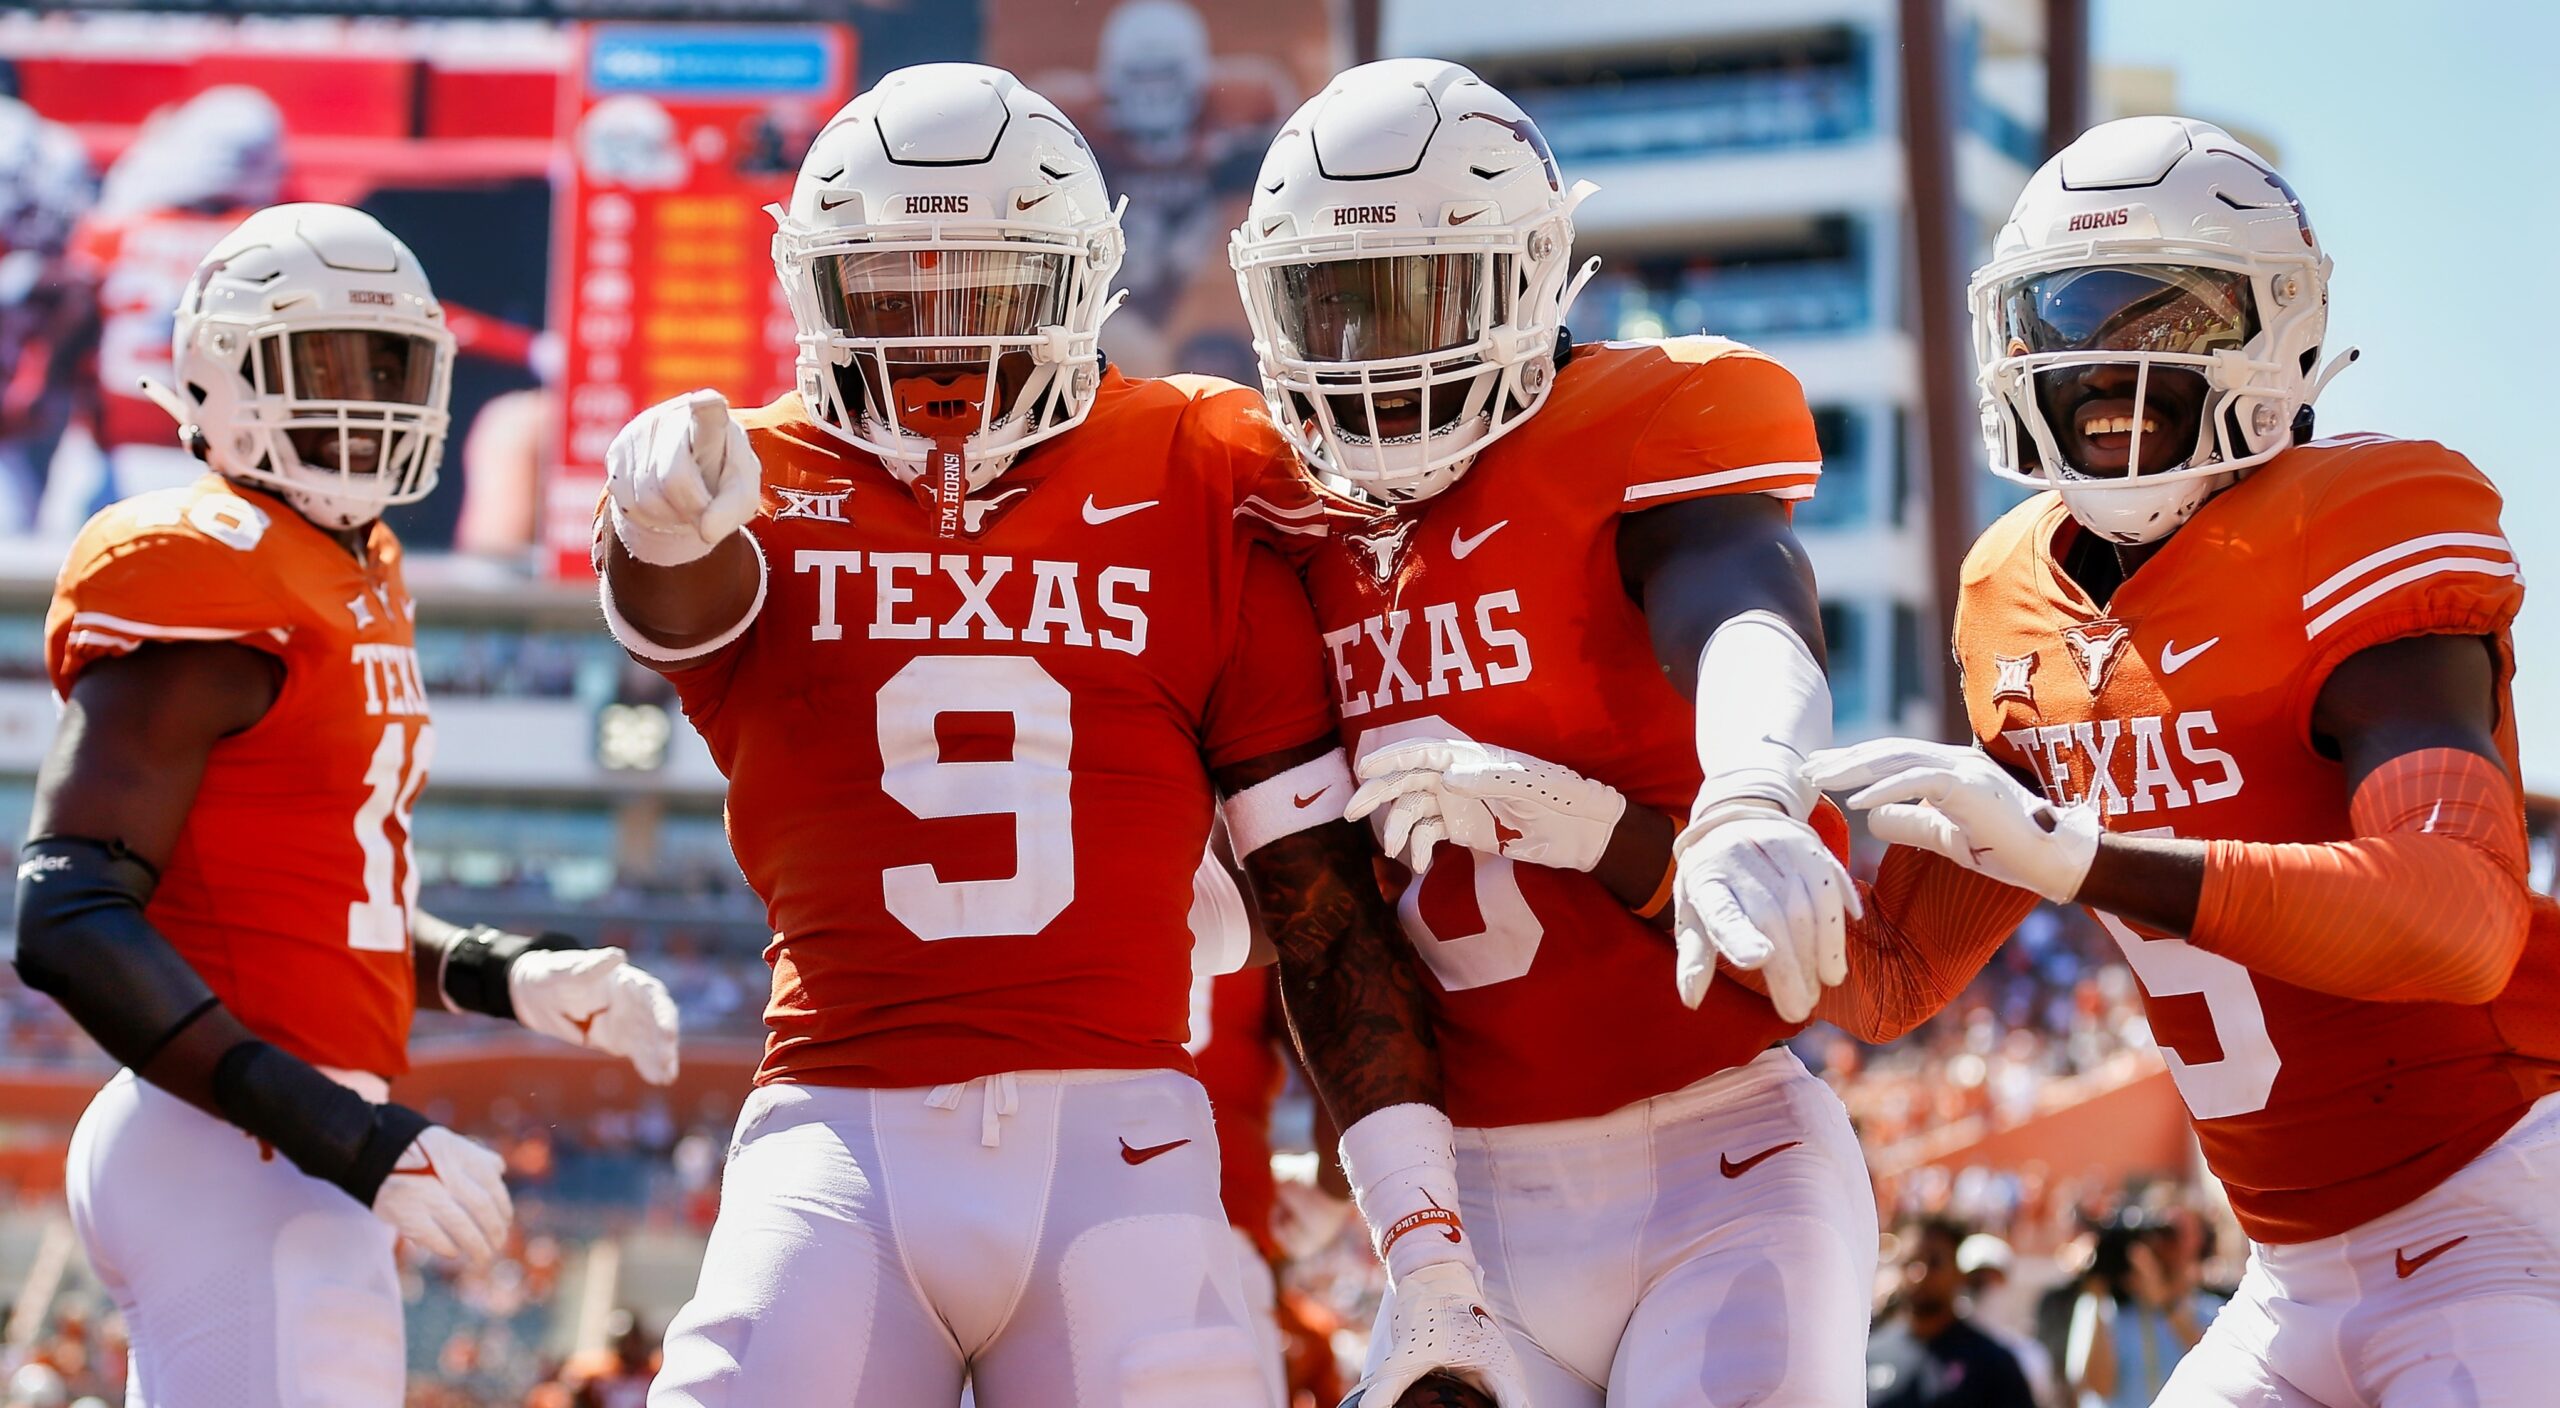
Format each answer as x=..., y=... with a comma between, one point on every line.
x=635, y=640
x=1763, y=708
x=1402, y=1162
x=1310, y=794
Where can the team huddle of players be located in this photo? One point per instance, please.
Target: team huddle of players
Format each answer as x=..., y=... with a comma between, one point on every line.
x=1495, y=660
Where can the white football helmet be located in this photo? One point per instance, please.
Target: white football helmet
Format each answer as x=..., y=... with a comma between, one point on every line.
x=312, y=357
x=2155, y=275
x=947, y=255
x=221, y=149
x=1153, y=62
x=1406, y=266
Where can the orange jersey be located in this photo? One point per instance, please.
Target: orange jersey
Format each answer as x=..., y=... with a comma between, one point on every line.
x=968, y=775
x=1236, y=1047
x=140, y=265
x=291, y=886
x=1494, y=611
x=2184, y=708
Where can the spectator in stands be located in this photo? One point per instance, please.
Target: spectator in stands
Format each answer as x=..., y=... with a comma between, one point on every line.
x=1985, y=1261
x=2139, y=1313
x=1930, y=1356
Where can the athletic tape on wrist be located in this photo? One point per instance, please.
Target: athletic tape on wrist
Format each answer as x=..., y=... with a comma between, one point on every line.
x=631, y=638
x=1310, y=794
x=1763, y=706
x=1402, y=1162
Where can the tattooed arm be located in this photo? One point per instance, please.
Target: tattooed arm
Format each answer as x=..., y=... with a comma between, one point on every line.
x=1347, y=980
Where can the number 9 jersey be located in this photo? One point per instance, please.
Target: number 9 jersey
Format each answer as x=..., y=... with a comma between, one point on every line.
x=291, y=885
x=968, y=763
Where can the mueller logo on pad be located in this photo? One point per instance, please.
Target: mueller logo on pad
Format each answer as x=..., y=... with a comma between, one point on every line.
x=2102, y=219
x=372, y=297
x=937, y=205
x=1364, y=215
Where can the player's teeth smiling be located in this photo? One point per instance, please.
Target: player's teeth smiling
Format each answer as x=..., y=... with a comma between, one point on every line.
x=2118, y=425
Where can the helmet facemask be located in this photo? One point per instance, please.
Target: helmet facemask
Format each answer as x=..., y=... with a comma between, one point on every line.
x=915, y=336
x=2138, y=387
x=1391, y=362
x=343, y=422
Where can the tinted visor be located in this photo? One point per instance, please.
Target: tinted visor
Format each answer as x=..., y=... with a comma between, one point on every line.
x=2159, y=308
x=1367, y=310
x=964, y=295
x=349, y=364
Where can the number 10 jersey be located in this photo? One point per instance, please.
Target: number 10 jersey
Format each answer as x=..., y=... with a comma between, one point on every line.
x=968, y=774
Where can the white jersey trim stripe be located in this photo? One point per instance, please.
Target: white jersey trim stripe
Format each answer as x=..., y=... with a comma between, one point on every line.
x=145, y=629
x=2400, y=550
x=629, y=637
x=2433, y=567
x=1745, y=474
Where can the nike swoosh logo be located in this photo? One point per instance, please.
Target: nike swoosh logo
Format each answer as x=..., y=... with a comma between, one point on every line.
x=2172, y=659
x=1736, y=1170
x=1020, y=204
x=1270, y=225
x=1460, y=544
x=1096, y=514
x=2408, y=1265
x=1138, y=1156
x=1309, y=800
x=1463, y=219
x=826, y=204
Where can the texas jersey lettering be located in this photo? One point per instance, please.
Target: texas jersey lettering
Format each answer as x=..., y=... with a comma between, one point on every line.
x=2184, y=708
x=291, y=886
x=1495, y=611
x=968, y=772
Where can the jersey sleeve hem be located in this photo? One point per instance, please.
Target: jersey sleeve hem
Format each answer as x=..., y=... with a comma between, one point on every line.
x=632, y=639
x=1788, y=479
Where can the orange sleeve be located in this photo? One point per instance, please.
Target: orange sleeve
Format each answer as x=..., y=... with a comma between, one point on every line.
x=1272, y=693
x=1735, y=422
x=1930, y=926
x=132, y=578
x=2405, y=542
x=2427, y=903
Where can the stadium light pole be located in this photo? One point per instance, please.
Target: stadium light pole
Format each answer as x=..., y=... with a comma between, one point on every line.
x=1937, y=245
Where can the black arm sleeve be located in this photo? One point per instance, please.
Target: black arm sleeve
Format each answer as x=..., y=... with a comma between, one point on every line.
x=84, y=941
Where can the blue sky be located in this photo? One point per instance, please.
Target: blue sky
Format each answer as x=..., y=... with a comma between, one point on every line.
x=2420, y=139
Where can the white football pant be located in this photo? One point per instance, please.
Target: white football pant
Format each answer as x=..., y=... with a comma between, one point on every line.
x=243, y=1282
x=2452, y=1301
x=1055, y=1236
x=1709, y=1248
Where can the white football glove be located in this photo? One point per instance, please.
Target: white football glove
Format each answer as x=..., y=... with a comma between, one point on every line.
x=595, y=997
x=1437, y=1321
x=1486, y=799
x=448, y=1195
x=682, y=479
x=1759, y=889
x=1958, y=802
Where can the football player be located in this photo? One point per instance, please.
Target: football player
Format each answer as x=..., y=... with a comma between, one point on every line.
x=2258, y=685
x=978, y=632
x=220, y=889
x=1575, y=651
x=192, y=174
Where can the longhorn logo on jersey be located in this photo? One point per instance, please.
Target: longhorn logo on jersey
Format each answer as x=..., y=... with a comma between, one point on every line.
x=2095, y=648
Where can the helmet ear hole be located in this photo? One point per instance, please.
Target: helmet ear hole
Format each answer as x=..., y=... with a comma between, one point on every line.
x=198, y=392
